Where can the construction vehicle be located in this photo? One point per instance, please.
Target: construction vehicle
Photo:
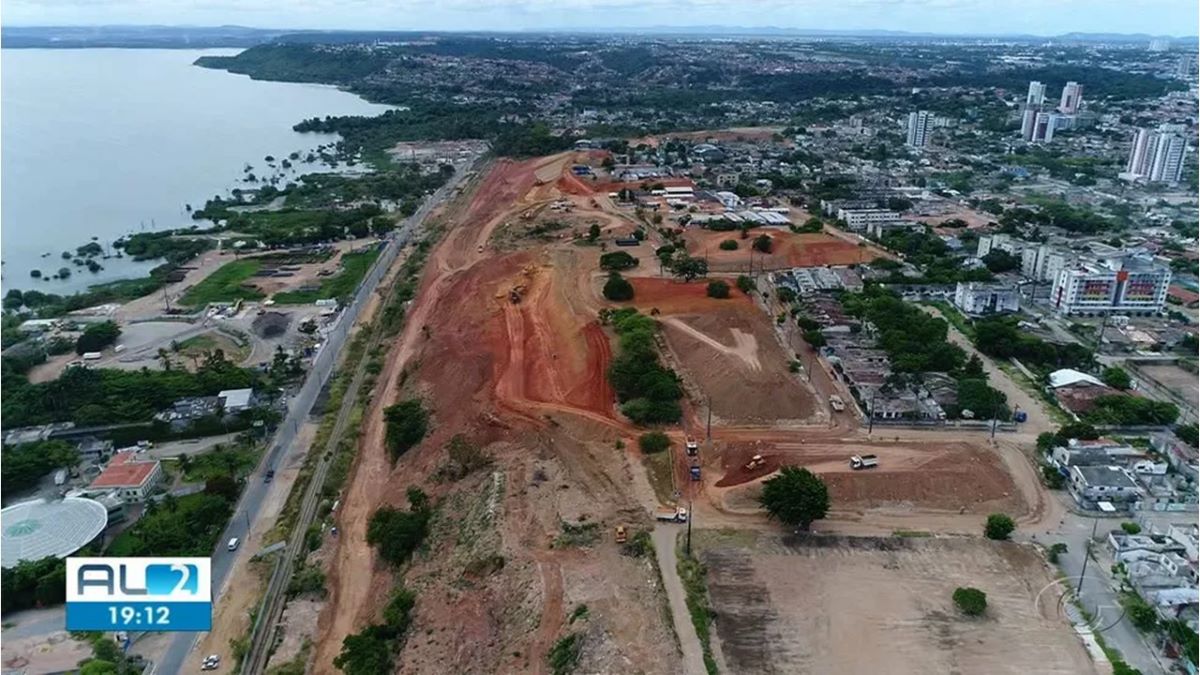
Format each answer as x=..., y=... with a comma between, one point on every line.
x=671, y=514
x=622, y=535
x=692, y=447
x=837, y=403
x=694, y=471
x=859, y=462
x=755, y=462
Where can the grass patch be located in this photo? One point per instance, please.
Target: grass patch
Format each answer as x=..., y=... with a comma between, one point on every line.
x=564, y=655
x=222, y=460
x=199, y=346
x=583, y=534
x=340, y=286
x=693, y=573
x=912, y=534
x=659, y=472
x=225, y=284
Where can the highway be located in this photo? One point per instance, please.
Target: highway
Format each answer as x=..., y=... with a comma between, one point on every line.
x=250, y=503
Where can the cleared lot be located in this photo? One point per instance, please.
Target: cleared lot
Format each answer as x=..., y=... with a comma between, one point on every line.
x=833, y=604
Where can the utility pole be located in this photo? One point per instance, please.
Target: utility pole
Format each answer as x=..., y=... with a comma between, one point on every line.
x=708, y=431
x=1087, y=553
x=871, y=413
x=166, y=300
x=691, y=511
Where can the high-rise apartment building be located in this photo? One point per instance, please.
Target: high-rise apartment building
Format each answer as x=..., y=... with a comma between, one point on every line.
x=1037, y=93
x=1072, y=98
x=1130, y=283
x=1157, y=156
x=919, y=124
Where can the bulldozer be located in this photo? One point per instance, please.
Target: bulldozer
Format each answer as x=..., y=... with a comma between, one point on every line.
x=755, y=462
x=517, y=292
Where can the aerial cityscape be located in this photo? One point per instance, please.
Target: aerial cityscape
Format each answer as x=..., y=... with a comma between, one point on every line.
x=513, y=339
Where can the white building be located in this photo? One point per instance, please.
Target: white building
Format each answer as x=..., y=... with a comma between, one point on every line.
x=1037, y=93
x=1043, y=262
x=1072, y=98
x=857, y=220
x=129, y=478
x=919, y=124
x=1131, y=283
x=1157, y=156
x=976, y=299
x=236, y=400
x=729, y=200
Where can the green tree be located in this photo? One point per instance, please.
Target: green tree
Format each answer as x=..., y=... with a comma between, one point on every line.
x=593, y=232
x=762, y=243
x=688, y=268
x=97, y=336
x=728, y=245
x=1131, y=527
x=786, y=295
x=407, y=423
x=745, y=284
x=367, y=652
x=718, y=289
x=396, y=533
x=999, y=526
x=654, y=442
x=617, y=260
x=796, y=497
x=970, y=601
x=617, y=288
x=1116, y=377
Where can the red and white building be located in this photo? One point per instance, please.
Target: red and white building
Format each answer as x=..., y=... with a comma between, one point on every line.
x=129, y=478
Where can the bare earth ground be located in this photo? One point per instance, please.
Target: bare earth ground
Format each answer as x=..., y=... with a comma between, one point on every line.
x=788, y=604
x=734, y=357
x=788, y=250
x=525, y=381
x=1175, y=379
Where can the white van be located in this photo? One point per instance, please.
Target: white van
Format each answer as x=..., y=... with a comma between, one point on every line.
x=233, y=544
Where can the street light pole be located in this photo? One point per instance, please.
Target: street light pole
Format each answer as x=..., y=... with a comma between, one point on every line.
x=871, y=412
x=1087, y=553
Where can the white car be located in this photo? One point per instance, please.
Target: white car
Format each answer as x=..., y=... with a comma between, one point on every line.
x=211, y=662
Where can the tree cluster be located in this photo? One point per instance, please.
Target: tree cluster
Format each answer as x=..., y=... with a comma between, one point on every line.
x=406, y=424
x=648, y=391
x=397, y=533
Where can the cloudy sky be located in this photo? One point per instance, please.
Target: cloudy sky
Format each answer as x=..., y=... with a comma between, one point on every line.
x=1040, y=17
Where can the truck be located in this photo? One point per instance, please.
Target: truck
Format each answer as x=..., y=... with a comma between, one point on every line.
x=837, y=403
x=694, y=471
x=91, y=356
x=858, y=462
x=692, y=447
x=671, y=514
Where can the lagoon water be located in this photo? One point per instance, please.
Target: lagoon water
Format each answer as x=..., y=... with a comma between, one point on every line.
x=105, y=142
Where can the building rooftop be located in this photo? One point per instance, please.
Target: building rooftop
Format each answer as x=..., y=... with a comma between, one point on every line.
x=236, y=398
x=125, y=471
x=1106, y=476
x=1066, y=376
x=41, y=528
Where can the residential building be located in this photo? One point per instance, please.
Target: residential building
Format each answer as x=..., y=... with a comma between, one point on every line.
x=1092, y=484
x=1072, y=98
x=977, y=299
x=1157, y=156
x=1036, y=95
x=1028, y=119
x=1128, y=283
x=919, y=124
x=857, y=220
x=236, y=400
x=128, y=477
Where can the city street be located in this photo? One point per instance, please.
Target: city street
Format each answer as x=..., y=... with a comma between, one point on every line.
x=283, y=449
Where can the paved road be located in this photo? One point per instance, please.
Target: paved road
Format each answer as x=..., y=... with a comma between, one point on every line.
x=1097, y=595
x=664, y=550
x=253, y=496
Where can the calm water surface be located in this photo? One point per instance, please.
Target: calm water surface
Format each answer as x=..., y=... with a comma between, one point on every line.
x=104, y=142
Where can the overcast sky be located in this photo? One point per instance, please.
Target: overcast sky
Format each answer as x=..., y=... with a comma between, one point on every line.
x=1040, y=17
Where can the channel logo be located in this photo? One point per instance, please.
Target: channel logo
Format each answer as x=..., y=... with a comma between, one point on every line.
x=146, y=594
